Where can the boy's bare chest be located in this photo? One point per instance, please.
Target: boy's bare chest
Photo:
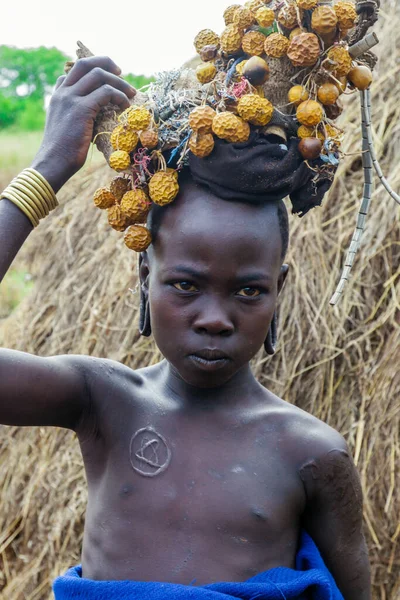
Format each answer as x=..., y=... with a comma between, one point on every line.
x=209, y=475
x=201, y=483
x=189, y=456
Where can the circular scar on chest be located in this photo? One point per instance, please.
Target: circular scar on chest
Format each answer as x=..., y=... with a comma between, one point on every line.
x=149, y=452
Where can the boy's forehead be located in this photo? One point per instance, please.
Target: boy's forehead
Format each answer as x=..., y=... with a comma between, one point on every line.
x=201, y=224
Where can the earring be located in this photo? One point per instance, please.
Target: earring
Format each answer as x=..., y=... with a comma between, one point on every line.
x=270, y=341
x=144, y=314
x=144, y=309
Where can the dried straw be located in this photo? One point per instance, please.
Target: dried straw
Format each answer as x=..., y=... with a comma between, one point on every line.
x=340, y=364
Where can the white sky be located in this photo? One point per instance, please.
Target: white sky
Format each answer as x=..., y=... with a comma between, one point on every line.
x=143, y=36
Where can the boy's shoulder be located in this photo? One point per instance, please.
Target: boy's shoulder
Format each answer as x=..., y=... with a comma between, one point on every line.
x=96, y=368
x=104, y=376
x=305, y=436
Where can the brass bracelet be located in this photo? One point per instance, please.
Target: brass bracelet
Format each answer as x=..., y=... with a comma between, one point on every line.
x=35, y=188
x=8, y=195
x=32, y=194
x=27, y=202
x=44, y=184
x=39, y=208
x=25, y=199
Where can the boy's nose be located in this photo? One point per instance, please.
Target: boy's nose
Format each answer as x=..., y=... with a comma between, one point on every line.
x=214, y=320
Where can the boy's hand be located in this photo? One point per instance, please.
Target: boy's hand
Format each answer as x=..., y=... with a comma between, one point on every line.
x=91, y=84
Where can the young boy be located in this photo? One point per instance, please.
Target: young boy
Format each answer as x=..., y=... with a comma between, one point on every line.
x=196, y=473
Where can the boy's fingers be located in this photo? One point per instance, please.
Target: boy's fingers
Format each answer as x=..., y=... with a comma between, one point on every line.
x=104, y=95
x=98, y=77
x=59, y=81
x=84, y=65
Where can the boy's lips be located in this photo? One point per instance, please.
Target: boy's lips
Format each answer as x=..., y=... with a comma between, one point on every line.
x=209, y=359
x=210, y=354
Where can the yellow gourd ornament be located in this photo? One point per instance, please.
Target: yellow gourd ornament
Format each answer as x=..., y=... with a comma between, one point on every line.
x=243, y=18
x=149, y=138
x=119, y=160
x=138, y=118
x=324, y=19
x=276, y=45
x=240, y=67
x=307, y=4
x=360, y=76
x=201, y=144
x=309, y=113
x=135, y=205
x=206, y=72
x=307, y=132
x=297, y=94
x=304, y=50
x=117, y=219
x=163, y=188
x=205, y=37
x=328, y=93
x=265, y=16
x=287, y=16
x=231, y=39
x=103, y=198
x=201, y=119
x=256, y=70
x=137, y=238
x=339, y=61
x=346, y=14
x=231, y=128
x=254, y=5
x=296, y=31
x=254, y=109
x=253, y=43
x=229, y=13
x=124, y=138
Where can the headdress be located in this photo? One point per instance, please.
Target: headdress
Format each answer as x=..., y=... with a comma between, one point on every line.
x=256, y=118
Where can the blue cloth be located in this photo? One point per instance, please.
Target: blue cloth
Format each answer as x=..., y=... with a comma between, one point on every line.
x=310, y=580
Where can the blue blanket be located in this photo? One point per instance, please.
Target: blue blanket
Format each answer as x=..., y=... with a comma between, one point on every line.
x=310, y=580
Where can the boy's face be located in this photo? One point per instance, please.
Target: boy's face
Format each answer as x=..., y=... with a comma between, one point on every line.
x=213, y=275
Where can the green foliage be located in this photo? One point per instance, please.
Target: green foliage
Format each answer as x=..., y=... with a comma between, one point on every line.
x=8, y=110
x=138, y=81
x=32, y=117
x=30, y=71
x=26, y=76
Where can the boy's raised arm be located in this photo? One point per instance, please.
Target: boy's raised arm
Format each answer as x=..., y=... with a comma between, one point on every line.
x=334, y=519
x=91, y=84
x=52, y=391
x=43, y=391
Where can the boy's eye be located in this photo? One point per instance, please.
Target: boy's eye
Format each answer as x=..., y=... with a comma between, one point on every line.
x=249, y=292
x=185, y=286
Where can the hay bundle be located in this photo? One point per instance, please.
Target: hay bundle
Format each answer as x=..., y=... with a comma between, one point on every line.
x=340, y=364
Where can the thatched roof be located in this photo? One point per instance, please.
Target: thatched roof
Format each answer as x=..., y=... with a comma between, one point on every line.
x=340, y=364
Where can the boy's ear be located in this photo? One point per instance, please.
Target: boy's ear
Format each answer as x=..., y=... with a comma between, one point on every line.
x=144, y=270
x=282, y=277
